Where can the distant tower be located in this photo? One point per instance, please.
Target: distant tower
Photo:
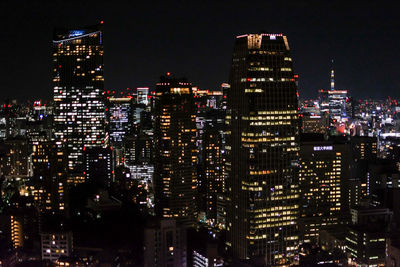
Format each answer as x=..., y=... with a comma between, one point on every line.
x=332, y=77
x=120, y=119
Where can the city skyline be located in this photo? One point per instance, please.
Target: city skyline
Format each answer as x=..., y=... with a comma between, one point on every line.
x=357, y=36
x=183, y=168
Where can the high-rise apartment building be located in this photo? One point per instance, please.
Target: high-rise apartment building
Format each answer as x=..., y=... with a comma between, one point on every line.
x=79, y=112
x=48, y=164
x=175, y=154
x=262, y=151
x=213, y=180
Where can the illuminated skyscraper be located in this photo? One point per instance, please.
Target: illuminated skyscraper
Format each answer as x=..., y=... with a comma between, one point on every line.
x=49, y=176
x=262, y=151
x=79, y=113
x=120, y=119
x=175, y=154
x=323, y=175
x=213, y=171
x=337, y=104
x=142, y=95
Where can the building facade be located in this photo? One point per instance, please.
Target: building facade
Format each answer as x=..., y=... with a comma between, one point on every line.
x=165, y=244
x=323, y=175
x=99, y=167
x=262, y=151
x=120, y=119
x=175, y=155
x=55, y=245
x=78, y=82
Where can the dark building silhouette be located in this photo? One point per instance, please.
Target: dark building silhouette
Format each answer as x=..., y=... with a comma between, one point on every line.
x=165, y=244
x=98, y=165
x=366, y=235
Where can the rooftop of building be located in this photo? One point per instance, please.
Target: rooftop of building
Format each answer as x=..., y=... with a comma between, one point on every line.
x=63, y=34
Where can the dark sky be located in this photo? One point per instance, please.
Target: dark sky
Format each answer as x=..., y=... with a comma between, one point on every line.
x=144, y=39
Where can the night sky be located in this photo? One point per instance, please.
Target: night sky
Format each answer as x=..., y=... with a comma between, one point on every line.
x=195, y=39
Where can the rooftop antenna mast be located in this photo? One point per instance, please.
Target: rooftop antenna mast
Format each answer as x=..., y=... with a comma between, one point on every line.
x=332, y=77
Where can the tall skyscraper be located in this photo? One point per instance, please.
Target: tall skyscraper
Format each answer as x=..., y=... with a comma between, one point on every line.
x=214, y=172
x=79, y=113
x=262, y=151
x=175, y=176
